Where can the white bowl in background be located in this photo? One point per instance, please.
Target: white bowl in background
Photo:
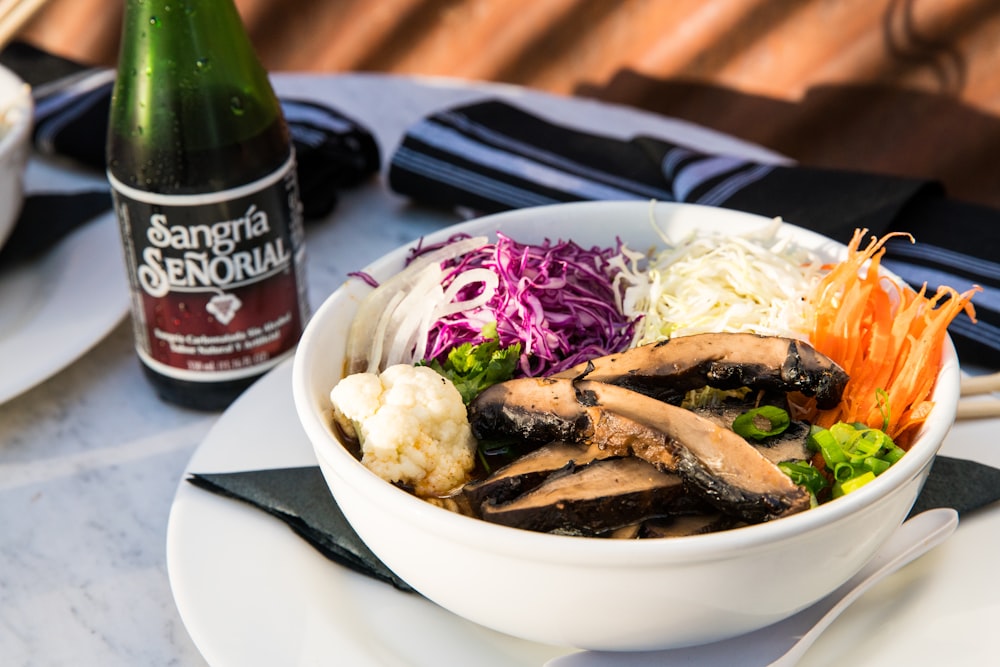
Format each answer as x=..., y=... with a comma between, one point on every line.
x=16, y=108
x=600, y=593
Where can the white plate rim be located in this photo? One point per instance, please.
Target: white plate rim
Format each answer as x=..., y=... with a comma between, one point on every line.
x=88, y=297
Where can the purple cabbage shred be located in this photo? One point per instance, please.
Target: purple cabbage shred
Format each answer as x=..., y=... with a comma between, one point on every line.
x=557, y=299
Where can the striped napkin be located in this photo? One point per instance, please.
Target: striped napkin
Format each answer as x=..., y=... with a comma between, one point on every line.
x=493, y=156
x=333, y=152
x=72, y=102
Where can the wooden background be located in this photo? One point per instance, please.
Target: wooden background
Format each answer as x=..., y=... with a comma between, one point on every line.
x=909, y=87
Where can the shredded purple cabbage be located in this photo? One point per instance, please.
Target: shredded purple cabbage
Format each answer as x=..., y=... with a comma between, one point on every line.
x=367, y=278
x=556, y=299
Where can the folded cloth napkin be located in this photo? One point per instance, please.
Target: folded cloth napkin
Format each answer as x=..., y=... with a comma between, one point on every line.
x=493, y=156
x=47, y=218
x=333, y=152
x=72, y=103
x=301, y=498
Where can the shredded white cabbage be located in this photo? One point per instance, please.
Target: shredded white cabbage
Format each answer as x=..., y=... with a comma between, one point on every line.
x=751, y=283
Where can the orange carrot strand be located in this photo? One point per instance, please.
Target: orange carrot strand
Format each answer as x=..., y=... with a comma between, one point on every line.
x=886, y=336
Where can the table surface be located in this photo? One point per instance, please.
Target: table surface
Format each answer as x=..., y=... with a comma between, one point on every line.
x=90, y=459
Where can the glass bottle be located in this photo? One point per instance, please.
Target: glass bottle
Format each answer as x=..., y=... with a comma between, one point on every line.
x=203, y=176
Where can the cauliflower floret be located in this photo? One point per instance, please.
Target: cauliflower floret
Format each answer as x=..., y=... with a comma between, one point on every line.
x=412, y=426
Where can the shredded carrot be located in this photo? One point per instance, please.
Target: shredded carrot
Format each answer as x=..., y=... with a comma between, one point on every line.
x=886, y=336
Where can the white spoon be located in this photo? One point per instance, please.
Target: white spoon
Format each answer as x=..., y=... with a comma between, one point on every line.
x=783, y=643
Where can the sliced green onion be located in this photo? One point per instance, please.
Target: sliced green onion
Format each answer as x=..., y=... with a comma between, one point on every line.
x=868, y=442
x=853, y=484
x=843, y=432
x=877, y=466
x=854, y=453
x=824, y=442
x=894, y=454
x=882, y=396
x=746, y=424
x=843, y=472
x=804, y=474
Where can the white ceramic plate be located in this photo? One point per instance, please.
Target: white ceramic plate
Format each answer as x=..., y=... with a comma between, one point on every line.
x=56, y=308
x=251, y=593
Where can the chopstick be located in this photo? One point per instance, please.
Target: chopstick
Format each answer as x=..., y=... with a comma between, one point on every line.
x=980, y=384
x=974, y=405
x=14, y=14
x=978, y=409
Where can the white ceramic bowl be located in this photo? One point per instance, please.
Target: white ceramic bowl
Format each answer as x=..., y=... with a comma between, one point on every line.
x=16, y=107
x=594, y=593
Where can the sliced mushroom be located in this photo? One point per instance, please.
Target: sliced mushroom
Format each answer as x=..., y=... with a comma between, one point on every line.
x=528, y=471
x=686, y=525
x=543, y=410
x=592, y=499
x=669, y=369
x=790, y=445
x=725, y=469
x=629, y=532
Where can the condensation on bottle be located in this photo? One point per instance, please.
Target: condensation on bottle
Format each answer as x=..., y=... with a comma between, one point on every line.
x=205, y=187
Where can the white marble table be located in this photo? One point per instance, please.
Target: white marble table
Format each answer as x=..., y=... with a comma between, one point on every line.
x=90, y=459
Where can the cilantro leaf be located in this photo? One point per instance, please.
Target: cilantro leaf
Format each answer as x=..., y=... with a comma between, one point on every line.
x=474, y=367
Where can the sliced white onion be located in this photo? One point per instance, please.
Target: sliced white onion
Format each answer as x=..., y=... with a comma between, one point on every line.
x=371, y=322
x=370, y=361
x=417, y=306
x=448, y=306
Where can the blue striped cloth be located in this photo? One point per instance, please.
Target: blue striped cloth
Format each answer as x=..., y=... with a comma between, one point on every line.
x=72, y=102
x=333, y=152
x=493, y=156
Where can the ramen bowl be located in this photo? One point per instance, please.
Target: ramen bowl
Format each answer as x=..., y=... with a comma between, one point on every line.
x=597, y=593
x=15, y=133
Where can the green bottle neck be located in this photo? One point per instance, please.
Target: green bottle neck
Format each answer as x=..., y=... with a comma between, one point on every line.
x=189, y=82
x=189, y=43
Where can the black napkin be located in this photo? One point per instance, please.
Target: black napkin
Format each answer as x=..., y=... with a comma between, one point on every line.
x=492, y=156
x=301, y=498
x=960, y=484
x=333, y=151
x=47, y=218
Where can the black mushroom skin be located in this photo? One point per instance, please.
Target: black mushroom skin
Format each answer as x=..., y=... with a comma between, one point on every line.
x=669, y=369
x=530, y=470
x=592, y=499
x=715, y=462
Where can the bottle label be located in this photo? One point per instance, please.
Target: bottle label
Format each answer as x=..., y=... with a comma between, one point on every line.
x=217, y=280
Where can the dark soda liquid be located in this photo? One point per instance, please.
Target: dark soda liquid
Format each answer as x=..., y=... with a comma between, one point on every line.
x=154, y=169
x=208, y=396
